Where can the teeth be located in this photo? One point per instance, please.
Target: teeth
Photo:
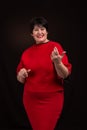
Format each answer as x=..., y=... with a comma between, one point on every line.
x=40, y=37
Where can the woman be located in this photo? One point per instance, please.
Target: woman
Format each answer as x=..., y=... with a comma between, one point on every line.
x=42, y=69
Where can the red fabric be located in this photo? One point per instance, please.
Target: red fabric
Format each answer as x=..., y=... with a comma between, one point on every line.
x=43, y=95
x=43, y=77
x=43, y=109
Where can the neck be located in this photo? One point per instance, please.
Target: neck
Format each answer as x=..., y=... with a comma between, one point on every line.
x=42, y=42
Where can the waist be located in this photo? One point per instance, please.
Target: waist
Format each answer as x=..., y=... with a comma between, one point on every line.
x=37, y=87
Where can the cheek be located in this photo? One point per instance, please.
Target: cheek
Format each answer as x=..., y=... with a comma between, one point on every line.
x=46, y=33
x=33, y=35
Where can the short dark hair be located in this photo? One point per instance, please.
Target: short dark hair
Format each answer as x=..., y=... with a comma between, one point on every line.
x=38, y=21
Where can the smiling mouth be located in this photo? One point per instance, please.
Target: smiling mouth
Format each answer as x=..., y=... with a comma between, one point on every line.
x=40, y=36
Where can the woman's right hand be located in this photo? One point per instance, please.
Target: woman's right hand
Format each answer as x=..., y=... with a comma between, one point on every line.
x=23, y=74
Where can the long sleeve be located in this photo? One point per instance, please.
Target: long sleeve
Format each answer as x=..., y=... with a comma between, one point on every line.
x=43, y=76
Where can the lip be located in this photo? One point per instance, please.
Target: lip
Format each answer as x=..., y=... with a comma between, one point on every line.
x=40, y=36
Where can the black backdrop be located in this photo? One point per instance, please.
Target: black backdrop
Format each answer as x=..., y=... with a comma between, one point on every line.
x=67, y=26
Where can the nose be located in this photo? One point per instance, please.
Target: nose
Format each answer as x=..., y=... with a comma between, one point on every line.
x=39, y=31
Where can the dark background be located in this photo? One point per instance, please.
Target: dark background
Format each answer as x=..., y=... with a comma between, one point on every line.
x=67, y=25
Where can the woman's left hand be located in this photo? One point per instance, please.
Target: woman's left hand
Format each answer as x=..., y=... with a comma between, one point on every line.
x=56, y=57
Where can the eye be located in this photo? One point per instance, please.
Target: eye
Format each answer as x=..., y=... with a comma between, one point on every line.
x=42, y=29
x=36, y=29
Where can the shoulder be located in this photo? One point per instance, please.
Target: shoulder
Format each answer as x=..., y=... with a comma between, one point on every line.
x=27, y=51
x=56, y=44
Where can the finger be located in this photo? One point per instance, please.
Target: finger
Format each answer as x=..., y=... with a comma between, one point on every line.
x=56, y=50
x=63, y=53
x=52, y=53
x=28, y=70
x=24, y=75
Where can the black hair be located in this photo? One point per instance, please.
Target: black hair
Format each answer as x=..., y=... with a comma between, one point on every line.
x=41, y=21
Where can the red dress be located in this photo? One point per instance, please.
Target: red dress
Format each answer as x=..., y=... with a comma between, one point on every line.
x=43, y=95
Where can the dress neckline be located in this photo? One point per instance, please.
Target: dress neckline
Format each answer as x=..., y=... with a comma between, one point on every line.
x=42, y=43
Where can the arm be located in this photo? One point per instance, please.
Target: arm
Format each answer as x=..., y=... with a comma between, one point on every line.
x=60, y=68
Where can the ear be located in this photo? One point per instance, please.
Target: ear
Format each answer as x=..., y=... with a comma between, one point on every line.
x=47, y=32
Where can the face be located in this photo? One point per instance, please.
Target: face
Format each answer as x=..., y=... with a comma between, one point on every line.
x=40, y=34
